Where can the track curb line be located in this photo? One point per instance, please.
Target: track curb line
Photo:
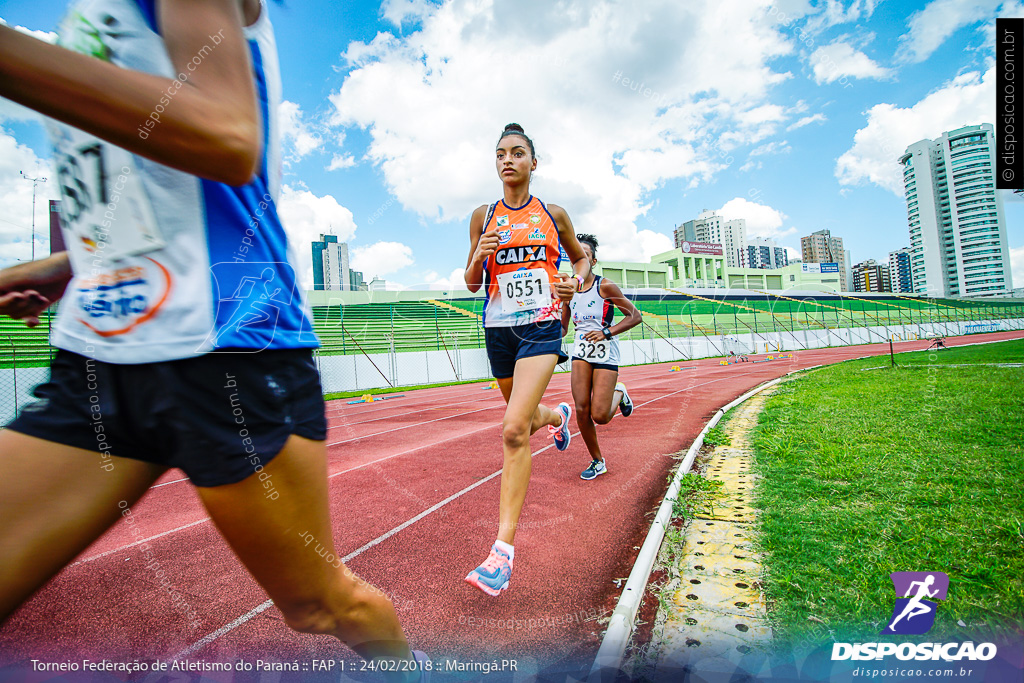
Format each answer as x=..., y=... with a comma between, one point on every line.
x=620, y=628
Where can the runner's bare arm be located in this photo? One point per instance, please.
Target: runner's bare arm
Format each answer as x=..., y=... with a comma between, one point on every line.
x=26, y=290
x=213, y=112
x=480, y=247
x=566, y=315
x=567, y=237
x=609, y=290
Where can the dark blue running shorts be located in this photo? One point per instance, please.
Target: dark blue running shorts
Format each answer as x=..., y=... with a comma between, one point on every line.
x=218, y=417
x=506, y=345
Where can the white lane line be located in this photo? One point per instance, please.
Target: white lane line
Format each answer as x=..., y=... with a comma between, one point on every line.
x=168, y=483
x=132, y=545
x=397, y=416
x=390, y=417
x=406, y=452
x=415, y=394
x=227, y=628
x=437, y=419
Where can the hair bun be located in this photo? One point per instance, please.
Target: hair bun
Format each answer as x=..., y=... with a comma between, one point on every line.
x=514, y=127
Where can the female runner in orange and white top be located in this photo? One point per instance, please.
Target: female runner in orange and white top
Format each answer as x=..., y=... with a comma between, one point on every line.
x=514, y=253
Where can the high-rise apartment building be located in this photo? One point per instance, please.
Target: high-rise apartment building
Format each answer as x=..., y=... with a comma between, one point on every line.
x=871, y=276
x=958, y=242
x=900, y=272
x=822, y=247
x=712, y=228
x=330, y=264
x=762, y=252
x=687, y=232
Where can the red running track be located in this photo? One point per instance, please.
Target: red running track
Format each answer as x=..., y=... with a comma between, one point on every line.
x=414, y=494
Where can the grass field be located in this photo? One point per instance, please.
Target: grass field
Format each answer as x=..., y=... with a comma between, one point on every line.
x=896, y=469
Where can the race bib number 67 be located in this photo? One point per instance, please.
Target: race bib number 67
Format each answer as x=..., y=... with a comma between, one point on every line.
x=103, y=203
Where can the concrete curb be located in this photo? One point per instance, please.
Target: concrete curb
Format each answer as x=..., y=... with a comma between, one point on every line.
x=609, y=656
x=620, y=628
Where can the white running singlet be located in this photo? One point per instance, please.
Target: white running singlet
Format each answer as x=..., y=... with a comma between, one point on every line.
x=592, y=313
x=167, y=265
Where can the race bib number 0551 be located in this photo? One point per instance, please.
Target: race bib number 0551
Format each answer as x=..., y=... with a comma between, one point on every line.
x=588, y=350
x=524, y=290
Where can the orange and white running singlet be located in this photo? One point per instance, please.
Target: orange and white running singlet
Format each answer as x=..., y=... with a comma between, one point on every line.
x=519, y=274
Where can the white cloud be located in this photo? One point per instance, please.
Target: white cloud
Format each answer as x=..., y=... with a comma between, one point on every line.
x=296, y=132
x=969, y=99
x=929, y=28
x=45, y=36
x=762, y=220
x=833, y=12
x=305, y=217
x=455, y=282
x=399, y=11
x=380, y=258
x=16, y=200
x=341, y=161
x=1017, y=266
x=836, y=61
x=775, y=147
x=807, y=120
x=622, y=99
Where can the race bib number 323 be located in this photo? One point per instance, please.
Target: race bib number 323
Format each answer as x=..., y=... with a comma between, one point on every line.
x=588, y=350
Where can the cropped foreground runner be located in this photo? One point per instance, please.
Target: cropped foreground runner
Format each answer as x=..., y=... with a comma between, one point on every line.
x=595, y=355
x=181, y=317
x=514, y=253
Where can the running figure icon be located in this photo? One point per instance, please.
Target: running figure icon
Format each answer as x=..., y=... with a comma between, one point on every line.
x=915, y=607
x=917, y=599
x=254, y=305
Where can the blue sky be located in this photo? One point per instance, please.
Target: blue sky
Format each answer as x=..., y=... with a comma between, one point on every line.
x=790, y=115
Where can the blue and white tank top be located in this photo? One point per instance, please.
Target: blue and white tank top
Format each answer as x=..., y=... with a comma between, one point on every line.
x=167, y=265
x=592, y=313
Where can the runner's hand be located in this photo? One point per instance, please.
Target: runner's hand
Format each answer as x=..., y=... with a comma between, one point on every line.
x=26, y=290
x=594, y=336
x=487, y=245
x=564, y=287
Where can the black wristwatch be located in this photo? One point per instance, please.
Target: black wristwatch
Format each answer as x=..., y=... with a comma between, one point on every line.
x=607, y=332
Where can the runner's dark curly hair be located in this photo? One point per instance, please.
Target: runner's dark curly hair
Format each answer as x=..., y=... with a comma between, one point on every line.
x=584, y=238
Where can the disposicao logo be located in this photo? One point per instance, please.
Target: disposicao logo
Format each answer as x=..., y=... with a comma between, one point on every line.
x=917, y=594
x=913, y=614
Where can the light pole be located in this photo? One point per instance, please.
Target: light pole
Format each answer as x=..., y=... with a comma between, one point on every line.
x=35, y=182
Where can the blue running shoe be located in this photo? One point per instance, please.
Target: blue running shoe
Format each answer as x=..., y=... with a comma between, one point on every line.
x=493, y=575
x=561, y=433
x=626, y=404
x=596, y=467
x=423, y=664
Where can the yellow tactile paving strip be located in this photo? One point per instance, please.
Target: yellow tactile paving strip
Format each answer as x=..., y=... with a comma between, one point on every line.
x=717, y=619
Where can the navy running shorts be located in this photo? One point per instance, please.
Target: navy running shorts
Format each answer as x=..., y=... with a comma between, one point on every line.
x=597, y=366
x=506, y=345
x=217, y=416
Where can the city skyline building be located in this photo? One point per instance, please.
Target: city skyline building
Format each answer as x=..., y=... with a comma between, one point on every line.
x=711, y=228
x=821, y=247
x=330, y=264
x=900, y=272
x=765, y=253
x=871, y=276
x=955, y=216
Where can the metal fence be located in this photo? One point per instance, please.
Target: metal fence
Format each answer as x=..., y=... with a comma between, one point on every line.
x=407, y=349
